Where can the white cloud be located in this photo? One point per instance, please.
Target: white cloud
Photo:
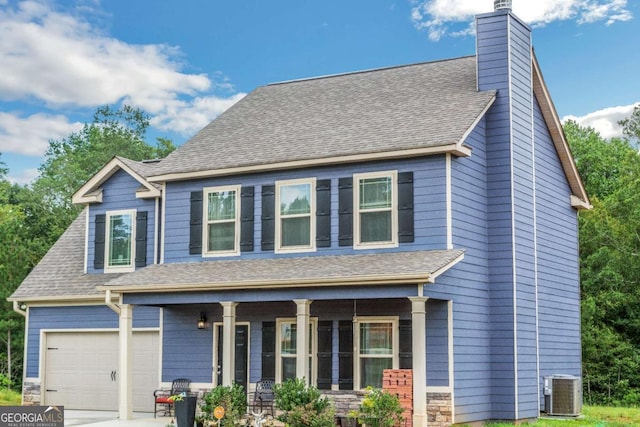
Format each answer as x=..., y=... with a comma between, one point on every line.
x=30, y=135
x=436, y=16
x=605, y=121
x=25, y=177
x=63, y=61
x=189, y=117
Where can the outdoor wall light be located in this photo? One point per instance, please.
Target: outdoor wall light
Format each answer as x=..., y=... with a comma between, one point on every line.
x=202, y=321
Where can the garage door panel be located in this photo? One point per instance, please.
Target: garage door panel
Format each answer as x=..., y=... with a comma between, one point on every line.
x=81, y=370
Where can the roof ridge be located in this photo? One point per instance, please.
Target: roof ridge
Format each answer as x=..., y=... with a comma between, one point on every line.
x=365, y=71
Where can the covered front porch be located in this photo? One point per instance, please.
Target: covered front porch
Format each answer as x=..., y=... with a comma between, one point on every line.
x=338, y=338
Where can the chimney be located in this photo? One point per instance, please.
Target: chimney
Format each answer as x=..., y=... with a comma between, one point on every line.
x=501, y=4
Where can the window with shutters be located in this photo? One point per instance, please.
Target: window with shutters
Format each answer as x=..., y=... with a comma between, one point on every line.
x=221, y=231
x=376, y=210
x=119, y=241
x=295, y=216
x=376, y=350
x=286, y=349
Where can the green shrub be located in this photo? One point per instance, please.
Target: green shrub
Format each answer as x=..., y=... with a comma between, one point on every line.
x=302, y=406
x=232, y=398
x=380, y=409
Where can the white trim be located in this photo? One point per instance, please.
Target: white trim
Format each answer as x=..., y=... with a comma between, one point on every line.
x=160, y=340
x=90, y=193
x=278, y=248
x=448, y=197
x=439, y=389
x=107, y=242
x=313, y=321
x=513, y=227
x=450, y=347
x=395, y=342
x=535, y=219
x=85, y=265
x=205, y=221
x=163, y=218
x=456, y=149
x=357, y=177
x=156, y=227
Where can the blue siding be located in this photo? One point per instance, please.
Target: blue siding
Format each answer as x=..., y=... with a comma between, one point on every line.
x=429, y=206
x=119, y=194
x=77, y=317
x=558, y=269
x=504, y=40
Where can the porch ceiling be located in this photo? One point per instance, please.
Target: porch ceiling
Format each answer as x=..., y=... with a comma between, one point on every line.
x=368, y=269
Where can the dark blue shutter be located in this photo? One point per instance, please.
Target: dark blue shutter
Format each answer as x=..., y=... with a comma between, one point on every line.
x=323, y=213
x=405, y=207
x=325, y=353
x=98, y=255
x=246, y=219
x=405, y=350
x=268, y=217
x=345, y=211
x=268, y=351
x=345, y=355
x=195, y=223
x=141, y=239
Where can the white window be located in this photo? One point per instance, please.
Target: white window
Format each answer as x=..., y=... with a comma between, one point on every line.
x=376, y=210
x=120, y=241
x=295, y=215
x=376, y=349
x=286, y=349
x=221, y=219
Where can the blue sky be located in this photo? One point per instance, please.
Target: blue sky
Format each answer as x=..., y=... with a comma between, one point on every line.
x=184, y=62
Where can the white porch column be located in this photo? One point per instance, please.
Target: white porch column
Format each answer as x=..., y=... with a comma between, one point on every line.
x=125, y=369
x=228, y=341
x=302, y=338
x=419, y=345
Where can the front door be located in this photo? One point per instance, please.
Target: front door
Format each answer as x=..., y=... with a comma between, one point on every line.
x=241, y=354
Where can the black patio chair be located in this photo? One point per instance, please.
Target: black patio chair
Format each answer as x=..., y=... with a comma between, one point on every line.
x=264, y=397
x=162, y=398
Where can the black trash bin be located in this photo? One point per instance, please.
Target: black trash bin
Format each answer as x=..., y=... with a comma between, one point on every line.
x=185, y=410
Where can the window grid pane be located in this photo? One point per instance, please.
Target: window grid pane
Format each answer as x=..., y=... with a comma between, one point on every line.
x=222, y=206
x=376, y=338
x=222, y=236
x=120, y=239
x=288, y=338
x=375, y=193
x=295, y=199
x=371, y=371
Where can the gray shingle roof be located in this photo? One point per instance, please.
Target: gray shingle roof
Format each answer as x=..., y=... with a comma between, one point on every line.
x=60, y=273
x=390, y=267
x=391, y=109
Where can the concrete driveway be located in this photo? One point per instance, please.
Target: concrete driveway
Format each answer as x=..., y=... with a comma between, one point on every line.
x=110, y=419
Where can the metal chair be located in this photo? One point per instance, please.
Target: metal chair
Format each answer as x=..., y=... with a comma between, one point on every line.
x=264, y=397
x=162, y=398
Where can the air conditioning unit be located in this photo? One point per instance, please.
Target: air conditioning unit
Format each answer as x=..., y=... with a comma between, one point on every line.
x=562, y=395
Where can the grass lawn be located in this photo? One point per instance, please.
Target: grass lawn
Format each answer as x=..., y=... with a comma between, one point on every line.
x=10, y=398
x=592, y=416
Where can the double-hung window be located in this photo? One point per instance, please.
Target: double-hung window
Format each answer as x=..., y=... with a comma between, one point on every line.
x=376, y=210
x=376, y=349
x=222, y=216
x=295, y=215
x=119, y=241
x=286, y=349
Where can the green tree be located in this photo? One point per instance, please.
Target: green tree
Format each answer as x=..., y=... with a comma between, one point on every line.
x=610, y=265
x=631, y=125
x=71, y=161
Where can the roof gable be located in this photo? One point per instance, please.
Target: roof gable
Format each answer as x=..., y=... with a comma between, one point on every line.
x=91, y=191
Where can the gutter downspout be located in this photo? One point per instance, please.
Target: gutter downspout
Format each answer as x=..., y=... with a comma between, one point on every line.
x=17, y=309
x=111, y=305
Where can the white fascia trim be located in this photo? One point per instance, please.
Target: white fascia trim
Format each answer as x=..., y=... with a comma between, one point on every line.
x=90, y=193
x=56, y=300
x=85, y=266
x=448, y=197
x=163, y=219
x=474, y=124
x=457, y=149
x=435, y=274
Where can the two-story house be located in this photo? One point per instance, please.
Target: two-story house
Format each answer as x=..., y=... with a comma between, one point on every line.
x=420, y=216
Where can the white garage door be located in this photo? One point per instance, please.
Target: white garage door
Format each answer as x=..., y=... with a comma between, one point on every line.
x=81, y=370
